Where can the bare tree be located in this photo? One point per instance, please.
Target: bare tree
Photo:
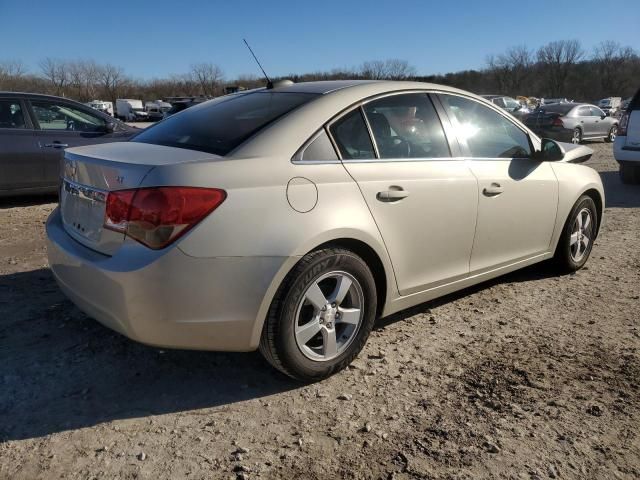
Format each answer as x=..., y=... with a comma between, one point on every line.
x=83, y=79
x=56, y=73
x=612, y=61
x=11, y=74
x=112, y=80
x=511, y=68
x=556, y=60
x=390, y=69
x=208, y=76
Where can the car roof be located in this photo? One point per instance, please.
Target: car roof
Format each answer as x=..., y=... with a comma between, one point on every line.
x=35, y=95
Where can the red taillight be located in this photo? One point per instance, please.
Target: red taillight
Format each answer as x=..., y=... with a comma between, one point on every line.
x=624, y=123
x=158, y=216
x=557, y=122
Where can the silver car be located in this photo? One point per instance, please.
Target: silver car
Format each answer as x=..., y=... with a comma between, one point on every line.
x=572, y=122
x=289, y=218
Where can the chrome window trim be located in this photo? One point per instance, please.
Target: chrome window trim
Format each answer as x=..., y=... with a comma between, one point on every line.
x=434, y=159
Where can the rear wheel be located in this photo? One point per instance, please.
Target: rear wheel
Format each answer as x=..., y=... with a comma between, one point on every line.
x=321, y=316
x=576, y=137
x=612, y=134
x=629, y=173
x=578, y=235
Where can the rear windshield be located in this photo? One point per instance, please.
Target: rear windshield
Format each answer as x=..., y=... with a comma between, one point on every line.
x=221, y=125
x=562, y=108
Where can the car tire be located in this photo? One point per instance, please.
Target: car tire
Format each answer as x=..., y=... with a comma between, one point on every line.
x=573, y=251
x=629, y=174
x=295, y=314
x=576, y=136
x=612, y=134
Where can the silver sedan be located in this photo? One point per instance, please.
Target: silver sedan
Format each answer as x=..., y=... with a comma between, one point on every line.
x=289, y=218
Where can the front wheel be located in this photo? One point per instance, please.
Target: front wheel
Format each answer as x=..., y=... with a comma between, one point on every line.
x=321, y=316
x=578, y=235
x=612, y=134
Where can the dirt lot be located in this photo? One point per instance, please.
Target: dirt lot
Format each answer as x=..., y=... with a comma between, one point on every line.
x=530, y=376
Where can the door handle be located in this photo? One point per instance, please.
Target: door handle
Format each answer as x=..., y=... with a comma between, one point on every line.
x=56, y=145
x=493, y=190
x=394, y=194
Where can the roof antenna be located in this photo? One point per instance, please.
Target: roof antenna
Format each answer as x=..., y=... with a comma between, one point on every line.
x=269, y=83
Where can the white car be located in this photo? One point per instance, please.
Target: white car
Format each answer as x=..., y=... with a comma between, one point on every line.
x=626, y=148
x=289, y=218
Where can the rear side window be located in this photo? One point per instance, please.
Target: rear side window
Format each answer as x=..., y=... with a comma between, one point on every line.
x=220, y=126
x=319, y=149
x=11, y=115
x=584, y=112
x=352, y=137
x=486, y=133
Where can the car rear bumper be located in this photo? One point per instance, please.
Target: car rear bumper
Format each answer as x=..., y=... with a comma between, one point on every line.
x=624, y=153
x=164, y=298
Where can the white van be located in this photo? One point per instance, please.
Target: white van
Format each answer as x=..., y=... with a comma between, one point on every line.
x=610, y=105
x=130, y=110
x=626, y=148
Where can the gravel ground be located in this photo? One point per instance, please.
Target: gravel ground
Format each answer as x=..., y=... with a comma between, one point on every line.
x=533, y=375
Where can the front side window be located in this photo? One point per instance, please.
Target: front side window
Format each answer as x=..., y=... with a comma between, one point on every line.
x=511, y=103
x=352, y=137
x=486, y=133
x=406, y=126
x=596, y=112
x=11, y=115
x=221, y=125
x=60, y=116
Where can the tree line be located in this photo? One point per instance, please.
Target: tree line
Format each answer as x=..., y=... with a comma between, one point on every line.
x=558, y=69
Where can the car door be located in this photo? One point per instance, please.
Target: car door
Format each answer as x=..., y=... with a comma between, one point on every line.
x=586, y=121
x=600, y=122
x=517, y=197
x=63, y=124
x=422, y=199
x=20, y=162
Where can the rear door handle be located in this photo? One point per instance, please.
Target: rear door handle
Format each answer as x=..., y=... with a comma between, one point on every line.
x=492, y=190
x=56, y=145
x=392, y=195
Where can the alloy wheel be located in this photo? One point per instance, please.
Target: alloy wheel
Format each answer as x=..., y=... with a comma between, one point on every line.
x=576, y=136
x=329, y=316
x=581, y=235
x=612, y=134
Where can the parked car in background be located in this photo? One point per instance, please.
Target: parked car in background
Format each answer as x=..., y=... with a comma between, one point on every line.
x=183, y=104
x=102, y=106
x=34, y=131
x=156, y=110
x=610, y=105
x=509, y=104
x=130, y=110
x=626, y=148
x=289, y=218
x=572, y=122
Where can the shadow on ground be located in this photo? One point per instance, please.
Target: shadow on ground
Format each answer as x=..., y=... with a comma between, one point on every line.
x=61, y=370
x=64, y=371
x=619, y=195
x=27, y=200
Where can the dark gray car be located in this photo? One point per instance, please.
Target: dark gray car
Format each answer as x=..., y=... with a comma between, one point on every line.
x=35, y=130
x=572, y=122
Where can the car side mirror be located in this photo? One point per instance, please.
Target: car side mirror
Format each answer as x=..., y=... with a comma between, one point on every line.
x=109, y=127
x=602, y=117
x=550, y=151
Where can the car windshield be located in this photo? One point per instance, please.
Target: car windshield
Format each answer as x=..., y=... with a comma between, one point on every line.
x=221, y=125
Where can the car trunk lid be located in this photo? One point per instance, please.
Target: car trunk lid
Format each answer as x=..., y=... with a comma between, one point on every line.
x=90, y=173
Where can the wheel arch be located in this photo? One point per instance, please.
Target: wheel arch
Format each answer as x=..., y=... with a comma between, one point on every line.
x=361, y=245
x=598, y=200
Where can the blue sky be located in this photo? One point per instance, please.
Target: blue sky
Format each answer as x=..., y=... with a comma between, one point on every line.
x=156, y=38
